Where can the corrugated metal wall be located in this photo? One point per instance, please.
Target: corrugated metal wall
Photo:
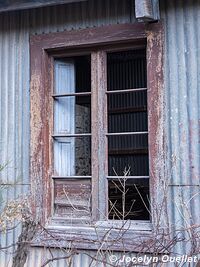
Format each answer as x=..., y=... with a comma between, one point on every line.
x=15, y=28
x=14, y=116
x=182, y=114
x=182, y=95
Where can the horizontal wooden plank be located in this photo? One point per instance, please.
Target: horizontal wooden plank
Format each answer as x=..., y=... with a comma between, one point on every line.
x=10, y=5
x=72, y=202
x=121, y=238
x=71, y=177
x=72, y=198
x=84, y=38
x=60, y=221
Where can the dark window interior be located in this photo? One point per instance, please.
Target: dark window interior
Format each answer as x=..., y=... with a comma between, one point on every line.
x=128, y=133
x=127, y=70
x=125, y=202
x=83, y=74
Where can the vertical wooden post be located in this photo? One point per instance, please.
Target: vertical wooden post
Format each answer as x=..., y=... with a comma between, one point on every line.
x=99, y=128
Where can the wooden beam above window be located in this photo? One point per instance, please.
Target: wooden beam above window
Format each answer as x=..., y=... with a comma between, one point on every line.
x=9, y=5
x=147, y=10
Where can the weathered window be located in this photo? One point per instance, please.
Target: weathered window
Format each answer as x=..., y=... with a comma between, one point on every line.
x=72, y=138
x=127, y=145
x=96, y=129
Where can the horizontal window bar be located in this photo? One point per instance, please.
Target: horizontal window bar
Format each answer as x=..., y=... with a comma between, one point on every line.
x=71, y=177
x=72, y=94
x=126, y=133
x=127, y=177
x=126, y=91
x=126, y=110
x=70, y=135
x=120, y=151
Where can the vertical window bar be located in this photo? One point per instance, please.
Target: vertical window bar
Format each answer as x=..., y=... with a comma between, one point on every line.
x=99, y=128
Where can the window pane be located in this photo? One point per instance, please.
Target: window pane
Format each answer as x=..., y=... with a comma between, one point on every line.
x=72, y=156
x=136, y=164
x=126, y=70
x=127, y=122
x=72, y=115
x=83, y=74
x=130, y=143
x=72, y=75
x=127, y=112
x=132, y=100
x=128, y=199
x=128, y=152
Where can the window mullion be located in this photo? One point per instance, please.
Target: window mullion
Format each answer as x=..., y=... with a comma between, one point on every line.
x=99, y=129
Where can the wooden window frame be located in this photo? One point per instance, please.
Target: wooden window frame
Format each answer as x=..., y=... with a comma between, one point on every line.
x=43, y=49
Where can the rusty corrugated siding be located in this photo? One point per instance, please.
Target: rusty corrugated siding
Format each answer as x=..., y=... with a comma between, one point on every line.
x=182, y=111
x=80, y=15
x=182, y=95
x=15, y=28
x=14, y=116
x=39, y=256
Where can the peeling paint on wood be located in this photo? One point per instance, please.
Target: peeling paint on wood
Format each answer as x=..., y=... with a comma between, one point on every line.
x=157, y=147
x=72, y=199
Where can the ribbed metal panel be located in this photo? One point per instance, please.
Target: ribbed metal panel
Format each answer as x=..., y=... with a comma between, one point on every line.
x=80, y=15
x=182, y=89
x=14, y=116
x=39, y=256
x=15, y=28
x=182, y=64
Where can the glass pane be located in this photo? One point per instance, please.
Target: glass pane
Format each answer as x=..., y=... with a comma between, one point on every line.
x=127, y=70
x=128, y=199
x=72, y=156
x=128, y=153
x=72, y=75
x=72, y=115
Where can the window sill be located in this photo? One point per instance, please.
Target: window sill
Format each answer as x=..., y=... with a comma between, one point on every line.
x=104, y=235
